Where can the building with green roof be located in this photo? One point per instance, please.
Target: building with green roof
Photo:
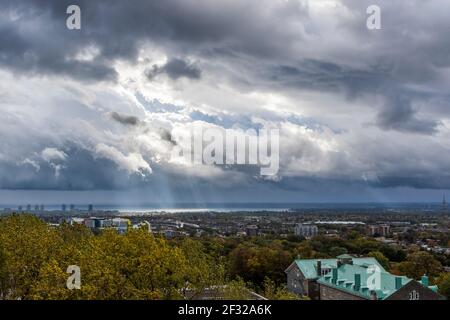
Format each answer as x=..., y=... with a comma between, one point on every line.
x=351, y=278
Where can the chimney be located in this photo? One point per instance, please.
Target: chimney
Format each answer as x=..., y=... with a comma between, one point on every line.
x=425, y=281
x=335, y=275
x=319, y=268
x=357, y=285
x=398, y=283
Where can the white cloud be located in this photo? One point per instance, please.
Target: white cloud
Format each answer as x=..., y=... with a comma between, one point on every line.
x=133, y=162
x=53, y=154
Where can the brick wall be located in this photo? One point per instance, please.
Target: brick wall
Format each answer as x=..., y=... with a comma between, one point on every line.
x=415, y=291
x=327, y=293
x=295, y=281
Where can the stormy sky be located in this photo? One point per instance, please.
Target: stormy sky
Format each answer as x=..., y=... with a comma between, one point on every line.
x=95, y=113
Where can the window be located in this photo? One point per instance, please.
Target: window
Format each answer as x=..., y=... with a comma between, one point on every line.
x=325, y=271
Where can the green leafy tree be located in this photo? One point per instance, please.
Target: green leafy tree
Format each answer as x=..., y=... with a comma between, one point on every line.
x=203, y=272
x=3, y=275
x=27, y=244
x=236, y=290
x=272, y=292
x=381, y=259
x=443, y=283
x=419, y=263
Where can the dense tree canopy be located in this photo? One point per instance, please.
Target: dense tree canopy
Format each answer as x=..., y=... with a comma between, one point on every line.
x=418, y=264
x=443, y=283
x=34, y=258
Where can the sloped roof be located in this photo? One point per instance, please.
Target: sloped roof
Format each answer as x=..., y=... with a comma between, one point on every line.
x=309, y=266
x=345, y=256
x=346, y=277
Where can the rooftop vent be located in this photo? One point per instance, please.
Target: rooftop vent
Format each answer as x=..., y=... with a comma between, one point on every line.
x=357, y=285
x=319, y=268
x=335, y=275
x=398, y=283
x=425, y=281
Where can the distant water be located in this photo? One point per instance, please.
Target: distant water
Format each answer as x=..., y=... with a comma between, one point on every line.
x=179, y=208
x=234, y=207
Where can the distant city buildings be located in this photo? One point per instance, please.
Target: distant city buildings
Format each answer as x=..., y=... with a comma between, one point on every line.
x=120, y=224
x=444, y=206
x=306, y=230
x=144, y=224
x=378, y=230
x=169, y=233
x=252, y=231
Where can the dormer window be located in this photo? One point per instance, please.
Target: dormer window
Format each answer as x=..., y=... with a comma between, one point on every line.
x=325, y=271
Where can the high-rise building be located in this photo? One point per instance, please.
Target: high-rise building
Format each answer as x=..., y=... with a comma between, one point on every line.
x=252, y=231
x=72, y=207
x=36, y=208
x=28, y=208
x=306, y=230
x=20, y=209
x=63, y=208
x=90, y=208
x=42, y=208
x=444, y=206
x=382, y=230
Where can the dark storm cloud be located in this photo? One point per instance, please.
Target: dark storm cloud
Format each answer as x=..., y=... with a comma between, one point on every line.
x=418, y=180
x=38, y=40
x=175, y=68
x=36, y=44
x=166, y=135
x=129, y=120
x=204, y=29
x=81, y=171
x=124, y=119
x=398, y=114
x=311, y=74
